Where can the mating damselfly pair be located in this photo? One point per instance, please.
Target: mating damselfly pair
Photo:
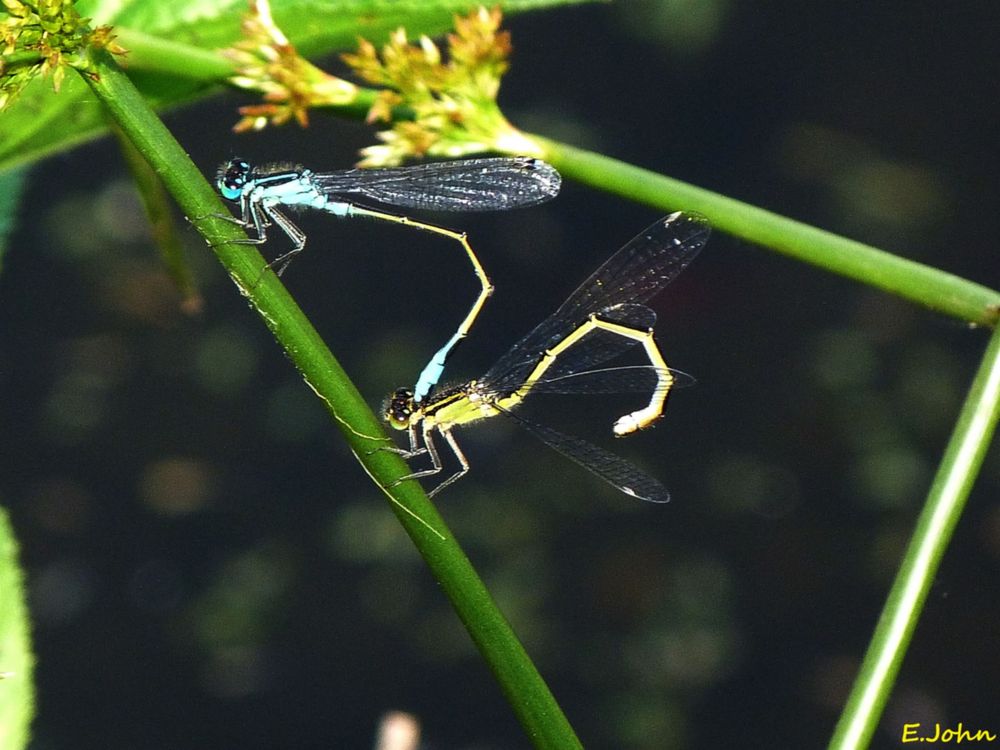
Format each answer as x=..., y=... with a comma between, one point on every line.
x=602, y=319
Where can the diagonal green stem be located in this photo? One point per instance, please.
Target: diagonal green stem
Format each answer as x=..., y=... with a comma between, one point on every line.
x=923, y=284
x=920, y=283
x=959, y=467
x=928, y=286
x=520, y=681
x=525, y=689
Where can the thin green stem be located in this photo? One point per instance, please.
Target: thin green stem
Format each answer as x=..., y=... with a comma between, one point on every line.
x=923, y=284
x=928, y=286
x=150, y=52
x=959, y=467
x=525, y=689
x=153, y=53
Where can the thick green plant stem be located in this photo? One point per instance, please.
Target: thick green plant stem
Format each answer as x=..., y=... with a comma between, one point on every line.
x=531, y=699
x=959, y=467
x=929, y=286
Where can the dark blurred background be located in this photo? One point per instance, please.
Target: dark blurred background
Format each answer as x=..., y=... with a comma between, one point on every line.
x=209, y=566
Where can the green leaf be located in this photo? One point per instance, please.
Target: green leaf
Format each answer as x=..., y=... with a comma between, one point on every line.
x=173, y=60
x=17, y=693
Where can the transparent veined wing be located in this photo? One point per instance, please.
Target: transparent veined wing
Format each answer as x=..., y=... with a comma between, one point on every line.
x=464, y=185
x=623, y=379
x=613, y=469
x=631, y=276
